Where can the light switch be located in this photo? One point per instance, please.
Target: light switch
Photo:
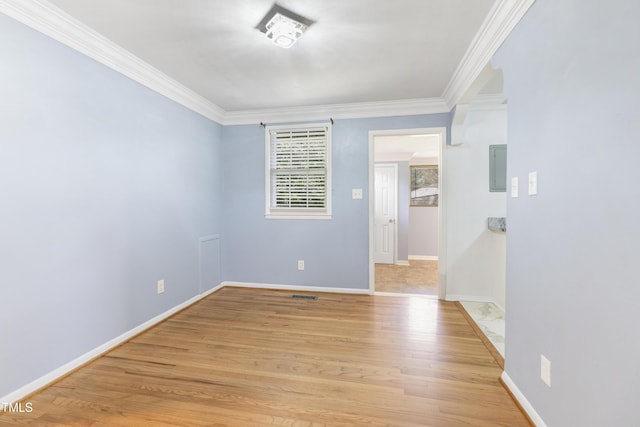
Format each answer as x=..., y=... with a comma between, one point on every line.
x=356, y=193
x=533, y=183
x=514, y=187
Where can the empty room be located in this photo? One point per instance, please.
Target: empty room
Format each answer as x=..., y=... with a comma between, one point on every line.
x=319, y=212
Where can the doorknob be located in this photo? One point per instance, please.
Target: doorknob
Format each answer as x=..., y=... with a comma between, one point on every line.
x=391, y=221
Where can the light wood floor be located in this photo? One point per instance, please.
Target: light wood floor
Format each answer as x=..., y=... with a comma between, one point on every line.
x=247, y=357
x=419, y=277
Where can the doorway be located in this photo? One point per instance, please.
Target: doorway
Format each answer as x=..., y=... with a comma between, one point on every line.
x=395, y=265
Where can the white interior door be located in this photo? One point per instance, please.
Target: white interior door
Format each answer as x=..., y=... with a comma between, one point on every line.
x=385, y=213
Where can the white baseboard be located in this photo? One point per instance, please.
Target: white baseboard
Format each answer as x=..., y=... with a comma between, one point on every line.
x=98, y=351
x=474, y=298
x=403, y=295
x=296, y=288
x=423, y=257
x=404, y=263
x=526, y=405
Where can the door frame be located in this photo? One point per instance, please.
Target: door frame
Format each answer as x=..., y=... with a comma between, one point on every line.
x=395, y=210
x=442, y=202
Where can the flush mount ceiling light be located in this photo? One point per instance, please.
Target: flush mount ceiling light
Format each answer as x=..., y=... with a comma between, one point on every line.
x=283, y=27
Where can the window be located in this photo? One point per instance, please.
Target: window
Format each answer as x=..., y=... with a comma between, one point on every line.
x=298, y=171
x=424, y=186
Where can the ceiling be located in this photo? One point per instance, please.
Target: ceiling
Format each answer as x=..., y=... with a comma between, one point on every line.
x=357, y=51
x=416, y=149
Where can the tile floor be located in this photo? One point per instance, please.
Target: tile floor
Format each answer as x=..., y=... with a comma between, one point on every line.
x=490, y=318
x=419, y=277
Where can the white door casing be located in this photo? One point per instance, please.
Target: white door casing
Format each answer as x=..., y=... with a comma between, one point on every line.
x=386, y=189
x=442, y=204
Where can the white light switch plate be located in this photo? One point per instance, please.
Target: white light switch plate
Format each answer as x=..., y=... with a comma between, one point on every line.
x=514, y=187
x=356, y=193
x=533, y=183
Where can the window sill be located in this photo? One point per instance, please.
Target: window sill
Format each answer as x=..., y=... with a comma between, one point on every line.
x=290, y=215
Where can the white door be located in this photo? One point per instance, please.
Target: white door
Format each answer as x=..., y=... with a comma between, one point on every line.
x=385, y=213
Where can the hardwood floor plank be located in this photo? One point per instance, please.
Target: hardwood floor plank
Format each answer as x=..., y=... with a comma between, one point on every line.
x=258, y=357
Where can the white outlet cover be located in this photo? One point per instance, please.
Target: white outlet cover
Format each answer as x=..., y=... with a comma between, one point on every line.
x=356, y=193
x=514, y=187
x=300, y=265
x=160, y=286
x=545, y=370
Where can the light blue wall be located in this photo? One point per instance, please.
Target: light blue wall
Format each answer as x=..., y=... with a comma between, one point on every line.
x=105, y=187
x=336, y=251
x=571, y=72
x=402, y=252
x=423, y=231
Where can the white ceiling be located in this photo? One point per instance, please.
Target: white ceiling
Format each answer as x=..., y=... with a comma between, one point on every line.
x=357, y=51
x=407, y=148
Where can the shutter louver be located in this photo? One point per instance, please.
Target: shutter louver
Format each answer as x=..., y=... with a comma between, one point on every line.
x=299, y=168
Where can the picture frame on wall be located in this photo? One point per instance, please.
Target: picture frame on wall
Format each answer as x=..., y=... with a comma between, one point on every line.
x=424, y=186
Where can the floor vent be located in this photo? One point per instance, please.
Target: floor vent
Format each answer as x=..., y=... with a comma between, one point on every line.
x=295, y=296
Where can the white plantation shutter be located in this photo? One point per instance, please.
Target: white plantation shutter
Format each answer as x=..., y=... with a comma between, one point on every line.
x=298, y=169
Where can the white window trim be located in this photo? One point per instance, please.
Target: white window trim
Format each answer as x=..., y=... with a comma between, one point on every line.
x=297, y=213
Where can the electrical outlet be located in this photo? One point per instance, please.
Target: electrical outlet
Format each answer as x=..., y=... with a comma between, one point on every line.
x=356, y=193
x=545, y=370
x=300, y=265
x=160, y=286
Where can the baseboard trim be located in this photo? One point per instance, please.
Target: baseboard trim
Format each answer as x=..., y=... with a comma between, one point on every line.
x=403, y=295
x=474, y=298
x=88, y=357
x=296, y=288
x=423, y=257
x=402, y=262
x=534, y=418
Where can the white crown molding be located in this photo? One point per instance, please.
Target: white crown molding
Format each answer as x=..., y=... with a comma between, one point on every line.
x=407, y=107
x=502, y=18
x=53, y=22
